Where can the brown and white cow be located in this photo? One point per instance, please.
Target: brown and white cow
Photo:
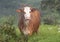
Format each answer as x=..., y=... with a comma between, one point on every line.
x=29, y=20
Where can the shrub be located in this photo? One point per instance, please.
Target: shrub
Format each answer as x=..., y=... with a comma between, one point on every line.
x=7, y=30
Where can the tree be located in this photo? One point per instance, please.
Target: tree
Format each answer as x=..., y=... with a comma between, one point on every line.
x=51, y=8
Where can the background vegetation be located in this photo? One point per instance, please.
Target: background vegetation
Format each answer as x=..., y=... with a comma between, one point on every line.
x=49, y=30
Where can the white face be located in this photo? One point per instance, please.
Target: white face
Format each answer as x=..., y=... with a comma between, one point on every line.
x=26, y=16
x=27, y=9
x=27, y=12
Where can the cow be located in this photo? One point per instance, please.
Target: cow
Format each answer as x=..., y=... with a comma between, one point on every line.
x=29, y=20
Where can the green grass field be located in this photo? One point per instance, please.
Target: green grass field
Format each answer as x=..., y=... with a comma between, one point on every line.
x=46, y=33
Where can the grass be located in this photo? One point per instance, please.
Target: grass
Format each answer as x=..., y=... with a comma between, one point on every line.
x=46, y=33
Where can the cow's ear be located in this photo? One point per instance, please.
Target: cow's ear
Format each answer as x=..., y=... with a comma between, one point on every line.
x=19, y=10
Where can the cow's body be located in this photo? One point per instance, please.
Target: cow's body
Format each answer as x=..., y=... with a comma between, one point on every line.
x=30, y=25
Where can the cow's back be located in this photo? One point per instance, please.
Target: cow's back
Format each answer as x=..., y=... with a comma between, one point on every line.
x=36, y=20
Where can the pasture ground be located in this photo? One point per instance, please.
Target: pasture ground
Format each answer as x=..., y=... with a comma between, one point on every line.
x=46, y=33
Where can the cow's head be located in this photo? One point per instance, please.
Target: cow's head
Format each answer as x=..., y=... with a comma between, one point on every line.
x=25, y=9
